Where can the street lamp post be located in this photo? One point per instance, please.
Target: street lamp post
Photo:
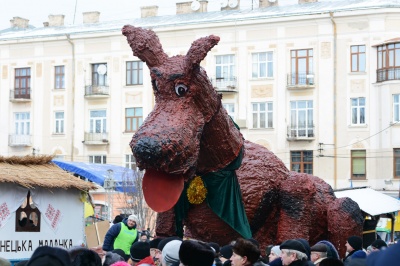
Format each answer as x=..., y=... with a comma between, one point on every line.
x=109, y=186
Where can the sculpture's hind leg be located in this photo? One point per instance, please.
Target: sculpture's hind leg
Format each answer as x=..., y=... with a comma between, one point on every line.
x=344, y=220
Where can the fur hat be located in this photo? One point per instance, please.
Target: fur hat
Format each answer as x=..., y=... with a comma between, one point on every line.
x=170, y=252
x=132, y=217
x=355, y=242
x=139, y=251
x=50, y=256
x=319, y=248
x=276, y=250
x=378, y=244
x=4, y=262
x=294, y=245
x=214, y=246
x=226, y=252
x=154, y=243
x=194, y=253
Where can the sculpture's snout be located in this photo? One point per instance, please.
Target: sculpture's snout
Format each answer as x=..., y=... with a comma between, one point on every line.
x=147, y=149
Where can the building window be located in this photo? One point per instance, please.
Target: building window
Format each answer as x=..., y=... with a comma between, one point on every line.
x=302, y=161
x=59, y=123
x=301, y=67
x=59, y=77
x=99, y=74
x=22, y=83
x=130, y=161
x=358, y=111
x=301, y=119
x=133, y=119
x=396, y=163
x=388, y=62
x=262, y=115
x=358, y=164
x=22, y=123
x=98, y=121
x=358, y=58
x=102, y=159
x=225, y=71
x=396, y=108
x=262, y=65
x=27, y=216
x=230, y=109
x=134, y=73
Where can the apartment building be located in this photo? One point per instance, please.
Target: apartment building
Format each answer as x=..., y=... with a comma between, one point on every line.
x=316, y=82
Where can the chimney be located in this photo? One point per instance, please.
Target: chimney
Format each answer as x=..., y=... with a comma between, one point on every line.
x=230, y=4
x=91, y=17
x=56, y=20
x=45, y=24
x=267, y=3
x=18, y=22
x=307, y=1
x=195, y=6
x=149, y=11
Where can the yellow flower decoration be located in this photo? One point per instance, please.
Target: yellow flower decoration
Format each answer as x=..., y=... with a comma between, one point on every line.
x=196, y=191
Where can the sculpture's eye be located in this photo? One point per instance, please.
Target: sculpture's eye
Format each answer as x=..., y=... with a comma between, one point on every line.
x=155, y=84
x=181, y=89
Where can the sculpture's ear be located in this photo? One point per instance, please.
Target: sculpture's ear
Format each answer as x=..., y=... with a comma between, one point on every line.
x=145, y=45
x=199, y=50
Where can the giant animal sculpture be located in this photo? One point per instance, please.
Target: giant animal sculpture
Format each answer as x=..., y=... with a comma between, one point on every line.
x=189, y=134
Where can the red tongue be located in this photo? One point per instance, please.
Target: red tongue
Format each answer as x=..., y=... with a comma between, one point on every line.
x=161, y=190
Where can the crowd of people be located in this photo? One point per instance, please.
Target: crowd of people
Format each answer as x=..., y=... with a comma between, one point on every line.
x=124, y=245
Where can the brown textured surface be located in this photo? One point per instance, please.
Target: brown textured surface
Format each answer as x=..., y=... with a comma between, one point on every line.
x=191, y=133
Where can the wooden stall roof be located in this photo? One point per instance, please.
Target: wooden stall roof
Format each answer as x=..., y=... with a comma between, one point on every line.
x=39, y=171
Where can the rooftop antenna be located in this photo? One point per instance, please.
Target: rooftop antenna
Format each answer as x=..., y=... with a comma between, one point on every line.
x=195, y=5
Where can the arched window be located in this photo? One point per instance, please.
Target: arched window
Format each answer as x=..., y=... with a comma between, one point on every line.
x=27, y=216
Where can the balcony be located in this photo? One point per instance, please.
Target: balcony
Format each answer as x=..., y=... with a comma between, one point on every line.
x=97, y=91
x=17, y=140
x=298, y=81
x=20, y=95
x=300, y=132
x=388, y=74
x=225, y=84
x=96, y=138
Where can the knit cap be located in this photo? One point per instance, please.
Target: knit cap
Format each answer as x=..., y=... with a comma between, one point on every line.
x=355, y=242
x=276, y=250
x=170, y=252
x=226, y=252
x=139, y=251
x=378, y=244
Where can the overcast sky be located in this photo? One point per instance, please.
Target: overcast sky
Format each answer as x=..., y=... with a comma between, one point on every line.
x=37, y=11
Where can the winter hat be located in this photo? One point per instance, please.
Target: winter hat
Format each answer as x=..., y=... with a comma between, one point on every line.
x=132, y=217
x=121, y=263
x=319, y=248
x=170, y=252
x=117, y=219
x=214, y=246
x=164, y=241
x=154, y=243
x=378, y=244
x=276, y=250
x=49, y=256
x=4, y=262
x=121, y=253
x=226, y=252
x=294, y=245
x=196, y=253
x=112, y=258
x=332, y=251
x=255, y=242
x=139, y=251
x=87, y=257
x=355, y=242
x=359, y=254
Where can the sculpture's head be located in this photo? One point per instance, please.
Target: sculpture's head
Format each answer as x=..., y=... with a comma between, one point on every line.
x=167, y=144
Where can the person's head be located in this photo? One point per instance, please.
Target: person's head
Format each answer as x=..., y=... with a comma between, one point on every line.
x=318, y=251
x=195, y=253
x=331, y=262
x=170, y=252
x=111, y=258
x=292, y=250
x=154, y=251
x=215, y=247
x=225, y=253
x=274, y=253
x=353, y=243
x=117, y=219
x=87, y=257
x=139, y=251
x=131, y=221
x=378, y=245
x=244, y=253
x=46, y=256
x=143, y=238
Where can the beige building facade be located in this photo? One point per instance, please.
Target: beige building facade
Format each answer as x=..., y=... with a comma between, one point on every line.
x=317, y=83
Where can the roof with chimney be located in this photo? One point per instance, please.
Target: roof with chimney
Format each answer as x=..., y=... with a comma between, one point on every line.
x=213, y=17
